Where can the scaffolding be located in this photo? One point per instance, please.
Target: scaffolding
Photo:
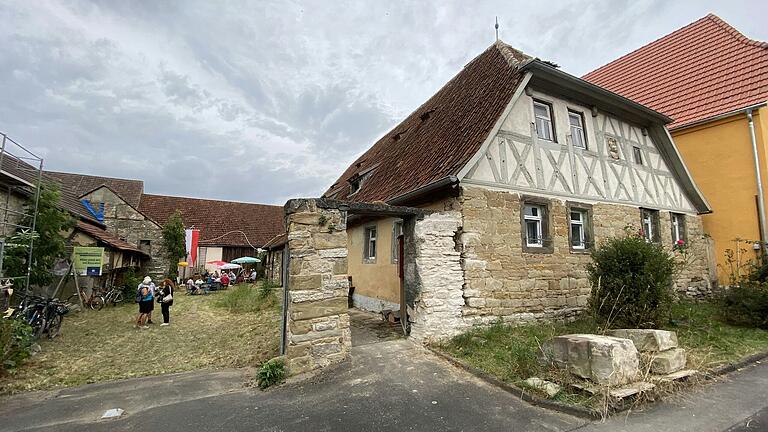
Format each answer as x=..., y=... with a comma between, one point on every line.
x=21, y=175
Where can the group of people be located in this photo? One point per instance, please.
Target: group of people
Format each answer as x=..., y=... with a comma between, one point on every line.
x=225, y=278
x=146, y=295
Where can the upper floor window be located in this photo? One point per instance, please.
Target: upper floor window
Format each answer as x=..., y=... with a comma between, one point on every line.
x=369, y=248
x=638, y=155
x=678, y=229
x=649, y=220
x=544, y=126
x=576, y=122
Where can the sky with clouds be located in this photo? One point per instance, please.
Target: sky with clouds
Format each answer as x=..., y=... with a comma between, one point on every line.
x=264, y=101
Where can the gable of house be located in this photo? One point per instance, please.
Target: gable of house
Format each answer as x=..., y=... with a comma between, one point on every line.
x=82, y=184
x=698, y=72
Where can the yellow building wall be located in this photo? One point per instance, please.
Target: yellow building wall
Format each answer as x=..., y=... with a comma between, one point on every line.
x=719, y=157
x=378, y=281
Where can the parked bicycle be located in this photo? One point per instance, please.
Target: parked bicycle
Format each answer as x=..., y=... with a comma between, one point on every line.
x=44, y=315
x=114, y=296
x=94, y=301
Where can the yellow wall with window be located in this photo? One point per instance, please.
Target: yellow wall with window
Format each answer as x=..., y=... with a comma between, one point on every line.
x=376, y=280
x=719, y=156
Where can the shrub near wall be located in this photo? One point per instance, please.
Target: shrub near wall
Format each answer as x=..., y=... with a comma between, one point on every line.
x=631, y=283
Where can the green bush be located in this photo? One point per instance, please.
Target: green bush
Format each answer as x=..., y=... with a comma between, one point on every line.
x=271, y=372
x=746, y=305
x=631, y=283
x=16, y=339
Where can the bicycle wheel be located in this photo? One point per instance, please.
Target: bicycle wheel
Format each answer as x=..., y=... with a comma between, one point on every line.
x=118, y=298
x=96, y=303
x=54, y=326
x=38, y=325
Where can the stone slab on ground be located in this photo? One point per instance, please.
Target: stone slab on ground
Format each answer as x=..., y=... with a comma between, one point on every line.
x=669, y=361
x=648, y=340
x=605, y=360
x=620, y=392
x=676, y=376
x=548, y=387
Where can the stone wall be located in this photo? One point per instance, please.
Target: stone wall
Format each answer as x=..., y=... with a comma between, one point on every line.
x=132, y=226
x=317, y=332
x=502, y=281
x=14, y=202
x=434, y=277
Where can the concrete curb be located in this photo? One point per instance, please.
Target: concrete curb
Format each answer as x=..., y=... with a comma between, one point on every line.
x=532, y=399
x=733, y=367
x=577, y=411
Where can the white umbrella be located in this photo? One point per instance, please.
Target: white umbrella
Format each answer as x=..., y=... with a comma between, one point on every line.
x=230, y=266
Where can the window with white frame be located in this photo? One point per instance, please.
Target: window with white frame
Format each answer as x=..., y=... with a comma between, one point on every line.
x=542, y=112
x=649, y=220
x=397, y=231
x=578, y=220
x=369, y=248
x=534, y=227
x=678, y=229
x=576, y=122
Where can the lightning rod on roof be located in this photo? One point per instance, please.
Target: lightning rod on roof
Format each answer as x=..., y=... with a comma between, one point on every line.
x=497, y=28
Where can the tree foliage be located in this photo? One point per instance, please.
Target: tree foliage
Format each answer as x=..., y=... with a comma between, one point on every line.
x=631, y=283
x=174, y=242
x=47, y=240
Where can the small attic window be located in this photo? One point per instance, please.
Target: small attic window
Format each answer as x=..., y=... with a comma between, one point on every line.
x=357, y=180
x=398, y=135
x=425, y=115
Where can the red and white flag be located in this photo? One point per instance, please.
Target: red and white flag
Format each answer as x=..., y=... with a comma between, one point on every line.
x=191, y=237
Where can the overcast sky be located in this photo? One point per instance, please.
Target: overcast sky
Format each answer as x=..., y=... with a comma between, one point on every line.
x=264, y=101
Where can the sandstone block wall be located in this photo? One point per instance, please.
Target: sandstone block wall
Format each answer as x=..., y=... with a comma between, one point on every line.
x=434, y=276
x=502, y=281
x=317, y=331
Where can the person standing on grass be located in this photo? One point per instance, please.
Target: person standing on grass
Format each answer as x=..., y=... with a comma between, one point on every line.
x=147, y=282
x=144, y=296
x=165, y=298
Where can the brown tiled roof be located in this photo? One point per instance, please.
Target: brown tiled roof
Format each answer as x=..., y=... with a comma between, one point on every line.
x=276, y=241
x=107, y=237
x=702, y=70
x=80, y=184
x=15, y=168
x=216, y=218
x=440, y=137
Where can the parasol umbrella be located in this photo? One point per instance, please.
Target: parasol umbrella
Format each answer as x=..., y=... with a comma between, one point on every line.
x=230, y=266
x=218, y=263
x=246, y=260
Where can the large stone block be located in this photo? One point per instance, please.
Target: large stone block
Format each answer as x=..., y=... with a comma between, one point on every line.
x=305, y=282
x=317, y=309
x=648, y=340
x=603, y=359
x=669, y=361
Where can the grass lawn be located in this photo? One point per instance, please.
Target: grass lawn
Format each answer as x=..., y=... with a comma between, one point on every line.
x=511, y=353
x=233, y=328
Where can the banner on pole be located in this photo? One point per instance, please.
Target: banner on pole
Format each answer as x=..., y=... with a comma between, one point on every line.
x=191, y=237
x=88, y=260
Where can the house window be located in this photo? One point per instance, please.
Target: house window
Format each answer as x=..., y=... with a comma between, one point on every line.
x=543, y=113
x=578, y=229
x=638, y=155
x=649, y=220
x=678, y=228
x=534, y=235
x=397, y=231
x=369, y=248
x=576, y=121
x=354, y=185
x=145, y=246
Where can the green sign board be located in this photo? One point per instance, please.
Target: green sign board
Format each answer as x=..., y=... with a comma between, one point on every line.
x=88, y=260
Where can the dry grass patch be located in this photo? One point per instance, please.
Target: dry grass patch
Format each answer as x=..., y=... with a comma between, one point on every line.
x=102, y=346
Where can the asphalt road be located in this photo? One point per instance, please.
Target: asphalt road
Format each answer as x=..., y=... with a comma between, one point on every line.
x=389, y=386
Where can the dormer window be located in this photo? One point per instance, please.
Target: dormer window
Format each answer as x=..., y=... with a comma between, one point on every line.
x=355, y=184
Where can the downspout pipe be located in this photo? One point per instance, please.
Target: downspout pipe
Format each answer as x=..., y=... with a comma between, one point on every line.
x=760, y=199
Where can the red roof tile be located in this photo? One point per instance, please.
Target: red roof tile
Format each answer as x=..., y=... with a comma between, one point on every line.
x=82, y=184
x=440, y=137
x=219, y=222
x=702, y=70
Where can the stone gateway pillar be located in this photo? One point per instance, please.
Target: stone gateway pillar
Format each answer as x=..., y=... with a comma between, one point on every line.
x=317, y=332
